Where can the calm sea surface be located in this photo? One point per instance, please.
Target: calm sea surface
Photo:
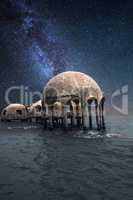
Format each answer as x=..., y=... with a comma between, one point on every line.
x=41, y=165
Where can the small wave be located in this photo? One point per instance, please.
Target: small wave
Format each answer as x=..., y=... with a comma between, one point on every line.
x=30, y=127
x=96, y=134
x=9, y=128
x=89, y=135
x=22, y=127
x=110, y=135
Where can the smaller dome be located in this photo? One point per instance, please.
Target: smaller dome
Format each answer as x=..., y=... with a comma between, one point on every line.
x=35, y=108
x=14, y=107
x=36, y=104
x=14, y=112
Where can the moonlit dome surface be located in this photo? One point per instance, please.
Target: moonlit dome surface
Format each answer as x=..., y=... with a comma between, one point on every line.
x=14, y=107
x=38, y=103
x=72, y=83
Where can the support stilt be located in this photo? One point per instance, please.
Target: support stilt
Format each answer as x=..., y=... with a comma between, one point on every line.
x=90, y=116
x=85, y=116
x=101, y=107
x=97, y=117
x=50, y=117
x=64, y=114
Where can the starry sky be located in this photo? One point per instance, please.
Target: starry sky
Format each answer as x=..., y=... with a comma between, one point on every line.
x=40, y=38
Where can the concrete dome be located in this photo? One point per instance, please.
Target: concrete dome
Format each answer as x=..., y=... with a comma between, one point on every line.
x=14, y=111
x=35, y=110
x=36, y=104
x=13, y=107
x=71, y=83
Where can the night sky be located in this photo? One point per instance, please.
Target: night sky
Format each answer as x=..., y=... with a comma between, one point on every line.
x=40, y=38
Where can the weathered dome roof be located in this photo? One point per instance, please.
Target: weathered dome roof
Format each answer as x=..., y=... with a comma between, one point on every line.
x=72, y=83
x=13, y=107
x=38, y=103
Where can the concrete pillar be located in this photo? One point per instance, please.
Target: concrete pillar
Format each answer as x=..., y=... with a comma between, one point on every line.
x=77, y=116
x=65, y=116
x=73, y=113
x=85, y=116
x=97, y=115
x=74, y=119
x=102, y=113
x=101, y=110
x=50, y=115
x=90, y=114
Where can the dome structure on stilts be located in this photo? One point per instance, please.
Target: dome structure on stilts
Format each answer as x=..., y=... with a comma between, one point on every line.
x=73, y=99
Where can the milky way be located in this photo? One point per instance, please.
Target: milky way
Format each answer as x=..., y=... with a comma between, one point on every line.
x=32, y=48
x=47, y=50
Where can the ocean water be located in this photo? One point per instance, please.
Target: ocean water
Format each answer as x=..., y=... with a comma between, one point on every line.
x=36, y=164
